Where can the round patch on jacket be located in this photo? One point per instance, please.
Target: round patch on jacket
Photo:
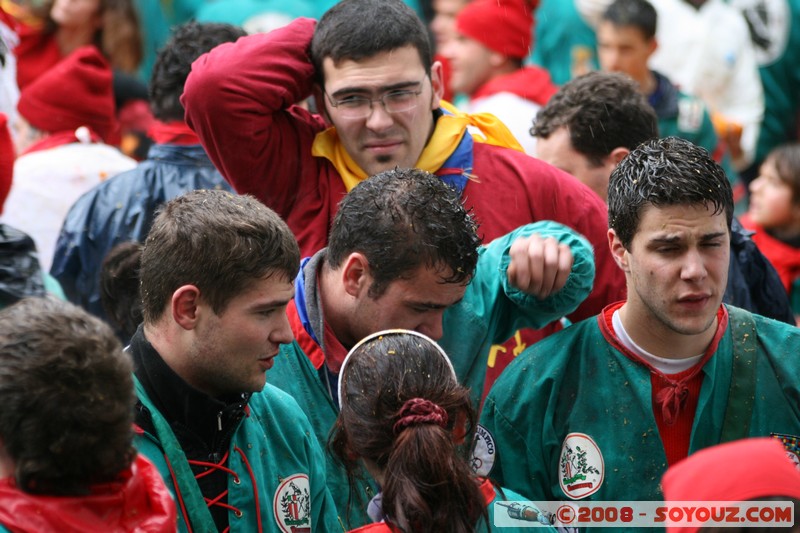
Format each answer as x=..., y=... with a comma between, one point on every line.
x=292, y=505
x=581, y=467
x=483, y=451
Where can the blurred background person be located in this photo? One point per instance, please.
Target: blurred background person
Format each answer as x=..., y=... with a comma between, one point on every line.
x=774, y=215
x=492, y=39
x=65, y=117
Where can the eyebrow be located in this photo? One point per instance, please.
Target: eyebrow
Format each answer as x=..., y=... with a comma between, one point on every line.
x=672, y=239
x=434, y=305
x=382, y=89
x=272, y=304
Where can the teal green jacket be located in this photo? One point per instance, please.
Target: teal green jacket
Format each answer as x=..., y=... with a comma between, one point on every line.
x=490, y=312
x=575, y=392
x=279, y=480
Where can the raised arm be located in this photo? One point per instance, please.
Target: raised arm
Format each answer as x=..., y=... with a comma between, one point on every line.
x=241, y=98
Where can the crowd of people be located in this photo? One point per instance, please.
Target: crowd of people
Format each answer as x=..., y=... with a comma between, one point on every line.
x=395, y=266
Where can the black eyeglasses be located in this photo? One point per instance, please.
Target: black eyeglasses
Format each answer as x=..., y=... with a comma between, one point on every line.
x=394, y=101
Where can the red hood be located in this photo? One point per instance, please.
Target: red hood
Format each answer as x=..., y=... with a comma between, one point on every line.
x=138, y=502
x=531, y=83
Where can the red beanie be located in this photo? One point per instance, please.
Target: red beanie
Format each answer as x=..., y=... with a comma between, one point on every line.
x=76, y=92
x=736, y=471
x=505, y=26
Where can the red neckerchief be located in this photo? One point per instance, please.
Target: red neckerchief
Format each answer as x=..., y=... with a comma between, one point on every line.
x=173, y=132
x=672, y=398
x=60, y=138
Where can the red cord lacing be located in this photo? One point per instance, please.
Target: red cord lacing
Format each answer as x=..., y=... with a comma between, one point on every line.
x=211, y=467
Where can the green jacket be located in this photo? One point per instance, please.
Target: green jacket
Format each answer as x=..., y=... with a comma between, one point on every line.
x=490, y=312
x=575, y=388
x=280, y=478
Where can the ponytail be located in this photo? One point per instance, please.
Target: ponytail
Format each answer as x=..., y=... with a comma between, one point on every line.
x=427, y=486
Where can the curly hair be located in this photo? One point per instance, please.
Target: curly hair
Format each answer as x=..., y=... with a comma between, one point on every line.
x=665, y=172
x=403, y=219
x=602, y=111
x=174, y=62
x=67, y=396
x=428, y=484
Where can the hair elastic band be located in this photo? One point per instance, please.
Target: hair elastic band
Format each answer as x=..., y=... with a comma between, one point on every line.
x=387, y=332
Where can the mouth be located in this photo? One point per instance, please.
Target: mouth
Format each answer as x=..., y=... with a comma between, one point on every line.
x=694, y=301
x=267, y=362
x=382, y=148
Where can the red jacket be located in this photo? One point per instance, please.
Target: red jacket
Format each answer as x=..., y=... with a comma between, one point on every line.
x=239, y=100
x=138, y=502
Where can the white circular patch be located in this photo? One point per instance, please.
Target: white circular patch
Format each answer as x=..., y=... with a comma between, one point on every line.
x=483, y=452
x=581, y=469
x=291, y=504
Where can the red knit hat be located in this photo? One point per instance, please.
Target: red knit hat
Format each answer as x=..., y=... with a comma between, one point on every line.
x=504, y=26
x=76, y=92
x=736, y=471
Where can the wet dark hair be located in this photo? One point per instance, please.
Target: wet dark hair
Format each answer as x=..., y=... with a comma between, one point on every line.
x=602, y=111
x=67, y=396
x=218, y=241
x=639, y=14
x=786, y=159
x=361, y=29
x=428, y=483
x=401, y=220
x=174, y=62
x=665, y=172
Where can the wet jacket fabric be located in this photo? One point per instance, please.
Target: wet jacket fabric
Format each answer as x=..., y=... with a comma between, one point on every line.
x=273, y=478
x=489, y=313
x=600, y=440
x=138, y=501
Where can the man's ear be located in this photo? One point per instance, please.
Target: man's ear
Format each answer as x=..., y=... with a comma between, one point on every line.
x=437, y=83
x=185, y=303
x=652, y=46
x=356, y=278
x=617, y=155
x=618, y=251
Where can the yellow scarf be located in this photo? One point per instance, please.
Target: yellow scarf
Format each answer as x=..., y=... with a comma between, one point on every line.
x=450, y=129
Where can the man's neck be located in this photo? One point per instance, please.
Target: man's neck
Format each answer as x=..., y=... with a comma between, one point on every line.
x=647, y=83
x=660, y=340
x=333, y=301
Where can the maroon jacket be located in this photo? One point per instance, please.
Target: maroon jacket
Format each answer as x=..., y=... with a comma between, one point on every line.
x=240, y=98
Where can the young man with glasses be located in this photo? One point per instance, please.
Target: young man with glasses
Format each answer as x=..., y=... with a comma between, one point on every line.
x=241, y=99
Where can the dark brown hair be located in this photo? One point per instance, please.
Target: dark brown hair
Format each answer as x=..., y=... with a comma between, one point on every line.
x=217, y=241
x=428, y=485
x=67, y=396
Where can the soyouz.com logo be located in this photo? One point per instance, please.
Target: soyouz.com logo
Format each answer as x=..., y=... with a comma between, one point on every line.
x=571, y=514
